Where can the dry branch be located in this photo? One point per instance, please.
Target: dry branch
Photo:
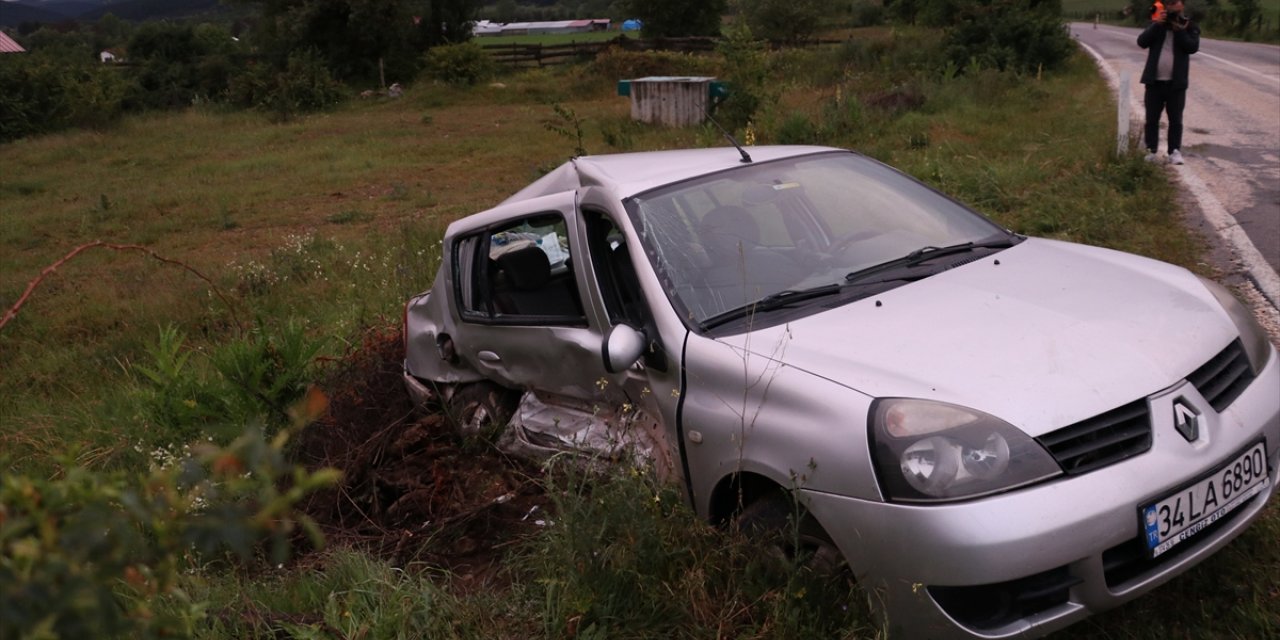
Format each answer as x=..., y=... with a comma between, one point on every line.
x=13, y=311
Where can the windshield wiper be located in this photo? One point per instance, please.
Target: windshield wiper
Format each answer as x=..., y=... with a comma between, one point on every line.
x=928, y=253
x=770, y=302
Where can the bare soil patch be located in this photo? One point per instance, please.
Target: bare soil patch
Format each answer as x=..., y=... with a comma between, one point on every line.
x=413, y=489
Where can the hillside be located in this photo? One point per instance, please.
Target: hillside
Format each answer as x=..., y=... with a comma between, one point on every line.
x=141, y=10
x=13, y=14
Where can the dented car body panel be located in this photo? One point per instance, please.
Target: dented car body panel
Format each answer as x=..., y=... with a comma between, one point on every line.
x=971, y=416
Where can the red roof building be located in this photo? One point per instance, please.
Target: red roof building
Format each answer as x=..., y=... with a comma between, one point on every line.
x=7, y=45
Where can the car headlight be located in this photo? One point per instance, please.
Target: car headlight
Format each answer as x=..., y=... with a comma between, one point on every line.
x=929, y=451
x=1256, y=345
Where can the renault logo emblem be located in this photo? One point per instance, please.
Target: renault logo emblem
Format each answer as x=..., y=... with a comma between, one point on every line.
x=1186, y=419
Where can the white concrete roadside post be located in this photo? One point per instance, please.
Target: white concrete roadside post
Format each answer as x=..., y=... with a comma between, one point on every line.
x=1122, y=116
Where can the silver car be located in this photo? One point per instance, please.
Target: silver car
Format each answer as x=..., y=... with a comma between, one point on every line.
x=999, y=434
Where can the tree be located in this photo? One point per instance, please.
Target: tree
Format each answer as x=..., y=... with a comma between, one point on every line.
x=110, y=31
x=447, y=22
x=352, y=36
x=64, y=45
x=1015, y=35
x=676, y=18
x=505, y=11
x=746, y=69
x=782, y=20
x=1247, y=11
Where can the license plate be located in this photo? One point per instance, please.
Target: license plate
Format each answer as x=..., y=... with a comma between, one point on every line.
x=1189, y=510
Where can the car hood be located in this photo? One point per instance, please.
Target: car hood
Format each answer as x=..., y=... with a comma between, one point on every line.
x=1043, y=334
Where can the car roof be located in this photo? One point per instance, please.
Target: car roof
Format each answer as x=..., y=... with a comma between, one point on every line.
x=628, y=174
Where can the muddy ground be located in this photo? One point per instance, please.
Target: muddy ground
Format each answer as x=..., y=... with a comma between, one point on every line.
x=413, y=490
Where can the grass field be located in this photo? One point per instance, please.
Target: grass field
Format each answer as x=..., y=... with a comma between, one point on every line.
x=332, y=221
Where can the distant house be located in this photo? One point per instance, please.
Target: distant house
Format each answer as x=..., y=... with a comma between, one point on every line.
x=106, y=56
x=486, y=28
x=7, y=45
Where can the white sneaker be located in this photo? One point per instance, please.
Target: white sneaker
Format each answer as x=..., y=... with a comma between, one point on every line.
x=1151, y=157
x=1175, y=157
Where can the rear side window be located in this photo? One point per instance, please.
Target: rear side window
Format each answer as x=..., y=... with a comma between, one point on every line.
x=519, y=273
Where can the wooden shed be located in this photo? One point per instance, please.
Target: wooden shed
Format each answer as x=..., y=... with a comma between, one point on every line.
x=676, y=101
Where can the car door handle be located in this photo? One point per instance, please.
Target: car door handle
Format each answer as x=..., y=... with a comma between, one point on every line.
x=489, y=356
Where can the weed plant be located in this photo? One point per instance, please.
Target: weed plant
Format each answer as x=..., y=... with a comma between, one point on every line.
x=626, y=558
x=94, y=554
x=342, y=593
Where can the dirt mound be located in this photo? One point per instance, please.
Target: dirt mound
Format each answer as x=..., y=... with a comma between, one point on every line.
x=413, y=489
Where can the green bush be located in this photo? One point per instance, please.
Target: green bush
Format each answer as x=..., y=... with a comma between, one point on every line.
x=787, y=21
x=616, y=63
x=1009, y=35
x=41, y=95
x=87, y=554
x=842, y=116
x=175, y=397
x=268, y=370
x=304, y=85
x=797, y=128
x=465, y=63
x=746, y=69
x=867, y=13
x=179, y=64
x=256, y=378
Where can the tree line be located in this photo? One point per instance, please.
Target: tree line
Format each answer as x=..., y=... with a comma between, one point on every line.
x=290, y=56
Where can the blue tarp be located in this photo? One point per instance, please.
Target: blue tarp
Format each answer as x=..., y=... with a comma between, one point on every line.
x=632, y=25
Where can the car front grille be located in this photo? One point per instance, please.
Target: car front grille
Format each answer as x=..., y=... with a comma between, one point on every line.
x=1224, y=377
x=1125, y=432
x=1104, y=439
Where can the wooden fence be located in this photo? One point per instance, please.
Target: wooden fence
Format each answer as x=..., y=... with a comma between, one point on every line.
x=541, y=55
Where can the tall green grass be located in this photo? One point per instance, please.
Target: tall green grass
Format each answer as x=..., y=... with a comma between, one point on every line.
x=621, y=557
x=626, y=558
x=342, y=594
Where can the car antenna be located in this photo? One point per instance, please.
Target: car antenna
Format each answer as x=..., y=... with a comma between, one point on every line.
x=746, y=159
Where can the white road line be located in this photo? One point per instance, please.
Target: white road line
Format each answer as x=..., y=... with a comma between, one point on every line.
x=1260, y=271
x=1224, y=224
x=1229, y=63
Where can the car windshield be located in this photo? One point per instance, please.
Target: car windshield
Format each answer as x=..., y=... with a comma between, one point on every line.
x=819, y=225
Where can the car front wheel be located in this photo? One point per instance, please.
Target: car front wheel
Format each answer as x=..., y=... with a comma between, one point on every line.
x=792, y=534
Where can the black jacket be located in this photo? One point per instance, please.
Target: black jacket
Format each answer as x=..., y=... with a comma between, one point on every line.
x=1185, y=43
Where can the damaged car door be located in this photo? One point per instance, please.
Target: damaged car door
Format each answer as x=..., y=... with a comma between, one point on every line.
x=519, y=298
x=534, y=317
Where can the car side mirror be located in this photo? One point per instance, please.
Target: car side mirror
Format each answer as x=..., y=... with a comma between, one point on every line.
x=623, y=346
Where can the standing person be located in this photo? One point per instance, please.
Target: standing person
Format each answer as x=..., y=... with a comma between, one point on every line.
x=1170, y=40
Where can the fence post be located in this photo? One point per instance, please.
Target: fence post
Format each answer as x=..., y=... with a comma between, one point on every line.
x=1122, y=115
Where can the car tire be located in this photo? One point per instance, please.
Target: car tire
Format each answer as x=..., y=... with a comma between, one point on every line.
x=771, y=521
x=481, y=407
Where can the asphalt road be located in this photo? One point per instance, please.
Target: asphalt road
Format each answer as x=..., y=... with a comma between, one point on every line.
x=1231, y=137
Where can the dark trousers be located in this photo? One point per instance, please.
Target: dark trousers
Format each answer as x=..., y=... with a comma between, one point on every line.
x=1161, y=96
